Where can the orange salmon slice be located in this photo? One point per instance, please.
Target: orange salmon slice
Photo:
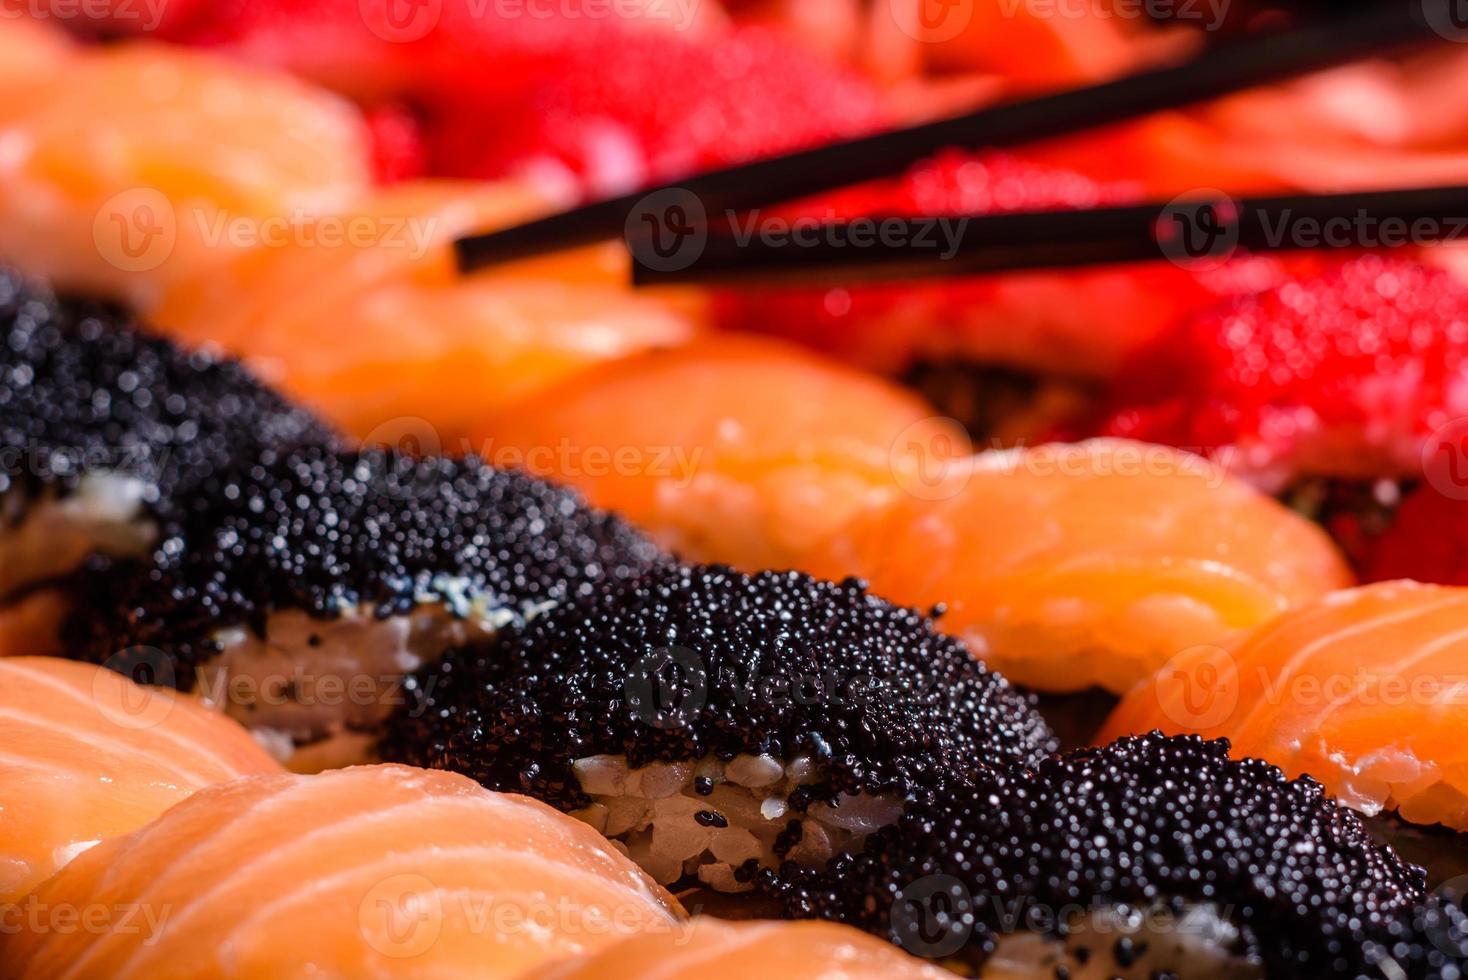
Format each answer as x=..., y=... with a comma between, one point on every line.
x=1366, y=690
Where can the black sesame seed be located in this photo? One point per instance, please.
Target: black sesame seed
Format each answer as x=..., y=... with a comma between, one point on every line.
x=711, y=818
x=786, y=839
x=703, y=785
x=1127, y=952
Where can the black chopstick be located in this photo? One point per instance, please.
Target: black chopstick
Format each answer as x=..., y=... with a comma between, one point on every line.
x=1218, y=70
x=1186, y=232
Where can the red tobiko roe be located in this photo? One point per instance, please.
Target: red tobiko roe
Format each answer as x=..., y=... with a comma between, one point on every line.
x=1078, y=323
x=424, y=49
x=609, y=97
x=1346, y=373
x=655, y=105
x=397, y=144
x=1427, y=541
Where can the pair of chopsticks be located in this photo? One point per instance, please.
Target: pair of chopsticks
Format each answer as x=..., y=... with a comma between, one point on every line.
x=672, y=239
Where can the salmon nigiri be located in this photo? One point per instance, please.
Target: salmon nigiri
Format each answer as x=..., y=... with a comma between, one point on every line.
x=1066, y=566
x=1364, y=690
x=707, y=949
x=738, y=450
x=431, y=354
x=371, y=871
x=31, y=55
x=140, y=163
x=86, y=755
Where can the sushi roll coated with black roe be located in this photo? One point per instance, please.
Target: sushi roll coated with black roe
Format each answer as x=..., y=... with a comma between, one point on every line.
x=104, y=426
x=1152, y=857
x=297, y=593
x=715, y=722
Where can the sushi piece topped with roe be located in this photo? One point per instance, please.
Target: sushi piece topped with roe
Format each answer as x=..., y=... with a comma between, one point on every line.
x=716, y=722
x=1150, y=857
x=296, y=593
x=105, y=427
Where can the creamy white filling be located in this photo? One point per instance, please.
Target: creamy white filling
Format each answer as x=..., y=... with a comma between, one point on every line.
x=46, y=537
x=654, y=814
x=1114, y=941
x=309, y=689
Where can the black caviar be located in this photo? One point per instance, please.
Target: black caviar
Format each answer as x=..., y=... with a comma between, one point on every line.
x=83, y=389
x=1147, y=823
x=322, y=531
x=689, y=662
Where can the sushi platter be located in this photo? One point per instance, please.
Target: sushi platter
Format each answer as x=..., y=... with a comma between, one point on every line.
x=826, y=489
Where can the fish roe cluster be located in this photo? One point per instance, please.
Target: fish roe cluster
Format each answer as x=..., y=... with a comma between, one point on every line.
x=1148, y=823
x=692, y=662
x=324, y=532
x=84, y=388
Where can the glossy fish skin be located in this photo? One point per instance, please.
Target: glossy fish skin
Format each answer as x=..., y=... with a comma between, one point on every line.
x=1068, y=566
x=367, y=872
x=740, y=450
x=709, y=949
x=87, y=755
x=1364, y=690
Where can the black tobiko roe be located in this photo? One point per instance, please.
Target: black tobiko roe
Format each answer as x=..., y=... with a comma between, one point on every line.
x=321, y=532
x=691, y=662
x=84, y=388
x=1152, y=824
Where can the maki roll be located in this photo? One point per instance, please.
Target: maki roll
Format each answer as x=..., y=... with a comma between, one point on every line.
x=104, y=426
x=1154, y=856
x=715, y=722
x=297, y=592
